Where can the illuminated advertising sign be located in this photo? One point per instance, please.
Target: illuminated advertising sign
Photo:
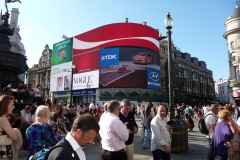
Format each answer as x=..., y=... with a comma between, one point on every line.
x=153, y=78
x=131, y=70
x=61, y=77
x=86, y=79
x=109, y=57
x=62, y=52
x=117, y=34
x=87, y=61
x=61, y=70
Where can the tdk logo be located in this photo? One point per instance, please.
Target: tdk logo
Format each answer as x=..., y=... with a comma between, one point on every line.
x=154, y=76
x=107, y=57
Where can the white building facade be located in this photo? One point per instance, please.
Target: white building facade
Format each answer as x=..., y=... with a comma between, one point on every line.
x=221, y=90
x=232, y=35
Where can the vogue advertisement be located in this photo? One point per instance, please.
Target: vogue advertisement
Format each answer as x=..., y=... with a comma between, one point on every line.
x=86, y=80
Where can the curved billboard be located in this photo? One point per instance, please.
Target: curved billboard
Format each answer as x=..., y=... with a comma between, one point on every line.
x=117, y=34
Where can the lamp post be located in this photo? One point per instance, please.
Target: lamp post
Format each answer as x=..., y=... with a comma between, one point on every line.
x=73, y=68
x=88, y=87
x=168, y=23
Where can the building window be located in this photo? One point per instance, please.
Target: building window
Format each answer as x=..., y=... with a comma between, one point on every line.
x=236, y=71
x=232, y=45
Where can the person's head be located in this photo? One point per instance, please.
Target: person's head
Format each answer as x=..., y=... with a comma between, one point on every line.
x=85, y=129
x=6, y=105
x=224, y=115
x=29, y=85
x=54, y=127
x=7, y=91
x=42, y=114
x=28, y=109
x=148, y=109
x=38, y=86
x=125, y=106
x=60, y=120
x=230, y=109
x=55, y=101
x=105, y=106
x=20, y=84
x=183, y=104
x=57, y=108
x=214, y=108
x=113, y=107
x=161, y=111
x=53, y=116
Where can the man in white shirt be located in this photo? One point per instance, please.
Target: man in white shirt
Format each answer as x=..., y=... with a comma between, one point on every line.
x=92, y=105
x=113, y=133
x=210, y=122
x=205, y=109
x=84, y=130
x=161, y=145
x=26, y=118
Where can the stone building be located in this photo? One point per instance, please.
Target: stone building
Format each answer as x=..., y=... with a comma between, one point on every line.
x=193, y=82
x=40, y=73
x=232, y=35
x=221, y=90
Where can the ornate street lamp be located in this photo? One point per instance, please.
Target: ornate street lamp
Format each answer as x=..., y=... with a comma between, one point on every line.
x=73, y=68
x=168, y=23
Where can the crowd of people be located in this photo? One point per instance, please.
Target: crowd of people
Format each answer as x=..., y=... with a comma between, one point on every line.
x=69, y=128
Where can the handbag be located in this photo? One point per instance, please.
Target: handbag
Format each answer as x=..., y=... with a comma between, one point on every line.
x=5, y=140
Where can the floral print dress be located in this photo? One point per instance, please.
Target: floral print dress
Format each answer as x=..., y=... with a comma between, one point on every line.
x=37, y=135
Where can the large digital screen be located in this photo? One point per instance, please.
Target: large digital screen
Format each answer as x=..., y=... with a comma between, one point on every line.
x=86, y=80
x=86, y=61
x=131, y=69
x=62, y=52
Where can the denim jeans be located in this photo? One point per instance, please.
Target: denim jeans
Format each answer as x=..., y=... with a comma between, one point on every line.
x=211, y=154
x=147, y=139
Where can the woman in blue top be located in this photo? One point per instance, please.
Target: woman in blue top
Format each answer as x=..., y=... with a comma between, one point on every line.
x=222, y=134
x=40, y=132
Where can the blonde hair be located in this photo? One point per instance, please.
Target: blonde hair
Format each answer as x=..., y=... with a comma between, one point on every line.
x=224, y=114
x=42, y=111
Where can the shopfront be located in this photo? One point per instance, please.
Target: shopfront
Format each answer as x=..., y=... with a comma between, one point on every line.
x=84, y=96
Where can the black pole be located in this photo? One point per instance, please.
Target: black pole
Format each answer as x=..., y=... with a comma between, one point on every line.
x=170, y=80
x=71, y=88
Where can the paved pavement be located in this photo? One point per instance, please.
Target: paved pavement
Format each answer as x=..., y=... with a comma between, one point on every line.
x=197, y=148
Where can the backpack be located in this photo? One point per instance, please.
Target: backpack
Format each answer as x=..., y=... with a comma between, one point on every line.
x=202, y=125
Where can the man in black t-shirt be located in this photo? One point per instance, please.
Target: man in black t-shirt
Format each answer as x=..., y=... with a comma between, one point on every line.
x=71, y=114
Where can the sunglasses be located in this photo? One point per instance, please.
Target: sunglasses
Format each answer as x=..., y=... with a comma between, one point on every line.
x=54, y=126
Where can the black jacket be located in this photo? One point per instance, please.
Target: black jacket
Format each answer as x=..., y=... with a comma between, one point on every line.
x=62, y=153
x=131, y=123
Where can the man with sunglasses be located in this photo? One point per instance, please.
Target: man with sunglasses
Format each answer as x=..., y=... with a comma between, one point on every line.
x=114, y=133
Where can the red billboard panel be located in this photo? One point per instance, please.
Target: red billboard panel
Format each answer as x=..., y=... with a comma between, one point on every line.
x=87, y=61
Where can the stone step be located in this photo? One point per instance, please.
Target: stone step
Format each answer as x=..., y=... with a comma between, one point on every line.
x=23, y=153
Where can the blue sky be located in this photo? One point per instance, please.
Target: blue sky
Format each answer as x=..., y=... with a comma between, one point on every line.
x=198, y=24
